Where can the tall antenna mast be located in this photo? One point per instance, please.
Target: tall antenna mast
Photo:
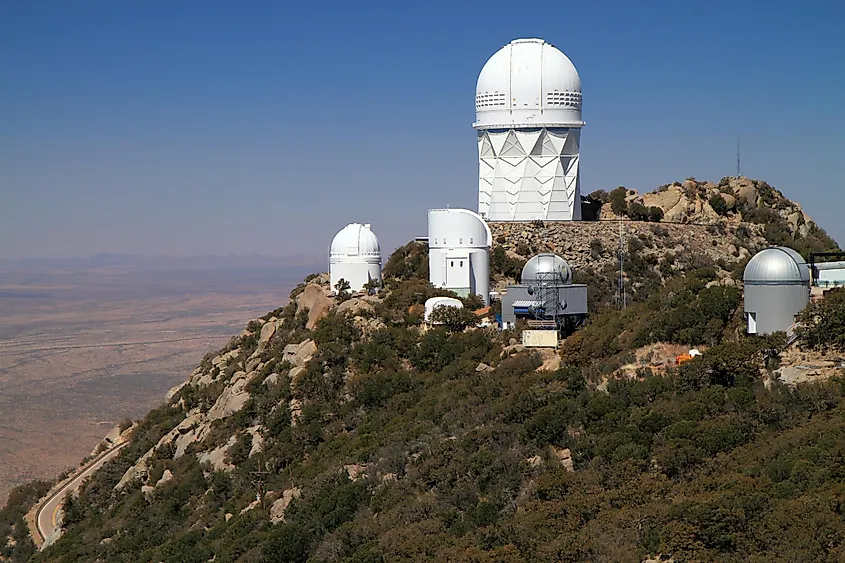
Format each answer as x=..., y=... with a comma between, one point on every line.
x=737, y=158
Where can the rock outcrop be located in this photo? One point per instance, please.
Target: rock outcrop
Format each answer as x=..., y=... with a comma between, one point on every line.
x=232, y=399
x=316, y=300
x=277, y=510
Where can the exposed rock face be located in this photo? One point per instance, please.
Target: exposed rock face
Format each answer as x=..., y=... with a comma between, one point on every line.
x=299, y=354
x=354, y=306
x=187, y=432
x=232, y=399
x=277, y=511
x=166, y=477
x=356, y=471
x=173, y=390
x=217, y=456
x=147, y=491
x=137, y=471
x=257, y=440
x=565, y=457
x=251, y=506
x=666, y=248
x=267, y=332
x=316, y=300
x=114, y=437
x=295, y=374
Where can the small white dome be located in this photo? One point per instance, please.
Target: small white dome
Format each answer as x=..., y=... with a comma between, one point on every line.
x=435, y=302
x=355, y=243
x=546, y=267
x=528, y=82
x=777, y=265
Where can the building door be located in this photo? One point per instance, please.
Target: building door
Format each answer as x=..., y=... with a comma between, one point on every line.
x=752, y=323
x=457, y=272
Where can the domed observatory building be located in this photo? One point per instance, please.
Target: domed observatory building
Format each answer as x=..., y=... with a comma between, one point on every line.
x=545, y=296
x=777, y=287
x=458, y=252
x=355, y=256
x=528, y=119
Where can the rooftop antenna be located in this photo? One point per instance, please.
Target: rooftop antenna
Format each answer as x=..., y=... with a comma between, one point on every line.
x=737, y=158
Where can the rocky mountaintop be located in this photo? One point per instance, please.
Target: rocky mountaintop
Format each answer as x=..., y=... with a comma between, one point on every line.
x=341, y=429
x=699, y=224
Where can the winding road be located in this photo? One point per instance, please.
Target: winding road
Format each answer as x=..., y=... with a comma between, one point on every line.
x=46, y=516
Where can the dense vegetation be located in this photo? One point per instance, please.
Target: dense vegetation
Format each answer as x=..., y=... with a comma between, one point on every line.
x=12, y=524
x=700, y=463
x=451, y=444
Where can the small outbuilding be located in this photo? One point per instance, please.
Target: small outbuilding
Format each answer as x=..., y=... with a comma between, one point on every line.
x=777, y=287
x=435, y=302
x=546, y=296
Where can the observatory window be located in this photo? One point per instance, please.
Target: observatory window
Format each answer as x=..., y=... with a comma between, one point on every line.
x=470, y=240
x=453, y=263
x=462, y=263
x=461, y=240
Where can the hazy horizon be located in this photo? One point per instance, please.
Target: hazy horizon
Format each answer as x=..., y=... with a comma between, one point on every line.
x=159, y=128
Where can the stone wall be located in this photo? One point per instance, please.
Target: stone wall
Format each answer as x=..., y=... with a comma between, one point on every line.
x=595, y=243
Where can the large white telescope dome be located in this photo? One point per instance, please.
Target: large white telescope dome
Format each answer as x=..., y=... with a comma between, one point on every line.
x=528, y=82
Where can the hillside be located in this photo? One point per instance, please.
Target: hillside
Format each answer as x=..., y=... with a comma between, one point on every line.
x=339, y=430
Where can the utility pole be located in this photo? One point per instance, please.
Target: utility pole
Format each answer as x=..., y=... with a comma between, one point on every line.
x=737, y=158
x=621, y=289
x=257, y=479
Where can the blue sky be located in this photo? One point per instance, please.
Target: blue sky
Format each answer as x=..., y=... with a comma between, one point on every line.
x=193, y=127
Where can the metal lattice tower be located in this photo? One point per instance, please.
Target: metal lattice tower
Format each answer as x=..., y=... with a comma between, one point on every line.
x=547, y=293
x=620, y=291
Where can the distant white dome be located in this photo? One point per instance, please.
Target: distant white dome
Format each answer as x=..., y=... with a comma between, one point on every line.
x=355, y=243
x=528, y=82
x=546, y=267
x=435, y=302
x=777, y=265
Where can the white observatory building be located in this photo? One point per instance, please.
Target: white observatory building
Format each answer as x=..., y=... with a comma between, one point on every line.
x=355, y=256
x=528, y=119
x=777, y=287
x=458, y=252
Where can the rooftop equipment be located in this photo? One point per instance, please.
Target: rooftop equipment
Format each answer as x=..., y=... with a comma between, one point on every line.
x=355, y=256
x=458, y=256
x=528, y=119
x=827, y=269
x=777, y=287
x=546, y=297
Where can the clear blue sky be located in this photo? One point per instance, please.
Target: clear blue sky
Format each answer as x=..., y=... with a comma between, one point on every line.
x=182, y=128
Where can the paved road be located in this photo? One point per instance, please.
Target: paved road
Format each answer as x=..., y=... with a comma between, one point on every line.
x=45, y=518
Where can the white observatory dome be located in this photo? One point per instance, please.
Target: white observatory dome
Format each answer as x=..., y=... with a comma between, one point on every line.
x=355, y=256
x=528, y=82
x=355, y=243
x=777, y=265
x=546, y=267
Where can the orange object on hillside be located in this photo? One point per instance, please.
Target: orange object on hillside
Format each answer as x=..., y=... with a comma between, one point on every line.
x=682, y=358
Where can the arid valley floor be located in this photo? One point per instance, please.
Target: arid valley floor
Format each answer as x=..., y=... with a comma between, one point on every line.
x=85, y=344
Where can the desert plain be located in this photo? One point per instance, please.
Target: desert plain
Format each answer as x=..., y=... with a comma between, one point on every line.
x=85, y=344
